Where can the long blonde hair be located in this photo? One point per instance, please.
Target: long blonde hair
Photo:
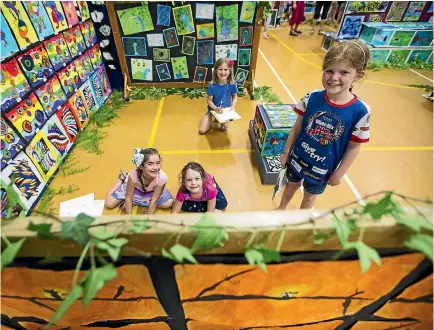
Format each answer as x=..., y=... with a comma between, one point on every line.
x=219, y=63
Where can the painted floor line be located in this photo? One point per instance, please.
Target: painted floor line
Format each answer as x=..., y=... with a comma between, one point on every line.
x=419, y=74
x=354, y=190
x=422, y=148
x=155, y=125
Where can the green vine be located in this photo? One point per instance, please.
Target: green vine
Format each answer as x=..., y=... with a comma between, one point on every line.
x=266, y=94
x=395, y=65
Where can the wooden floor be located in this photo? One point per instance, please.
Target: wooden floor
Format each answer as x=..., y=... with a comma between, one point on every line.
x=399, y=156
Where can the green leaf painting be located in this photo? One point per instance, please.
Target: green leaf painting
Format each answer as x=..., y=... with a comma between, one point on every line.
x=135, y=20
x=247, y=11
x=183, y=20
x=227, y=23
x=179, y=67
x=141, y=69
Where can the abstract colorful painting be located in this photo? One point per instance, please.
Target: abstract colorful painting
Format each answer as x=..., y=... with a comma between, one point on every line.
x=414, y=11
x=163, y=72
x=163, y=15
x=84, y=67
x=74, y=40
x=83, y=10
x=171, y=37
x=39, y=18
x=200, y=74
x=134, y=46
x=155, y=40
x=56, y=135
x=79, y=109
x=8, y=44
x=27, y=117
x=141, y=69
x=36, y=65
x=227, y=23
x=246, y=35
x=396, y=10
x=51, y=95
x=103, y=78
x=89, y=33
x=69, y=79
x=188, y=44
x=19, y=23
x=161, y=54
x=422, y=38
x=68, y=121
x=13, y=84
x=11, y=143
x=89, y=98
x=229, y=51
x=183, y=18
x=351, y=27
x=247, y=11
x=135, y=20
x=204, y=11
x=95, y=83
x=205, y=52
x=244, y=55
x=179, y=67
x=95, y=56
x=205, y=31
x=55, y=12
x=70, y=12
x=58, y=51
x=241, y=76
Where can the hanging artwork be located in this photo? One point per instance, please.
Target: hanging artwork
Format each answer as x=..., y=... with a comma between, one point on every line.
x=227, y=23
x=135, y=20
x=8, y=44
x=56, y=135
x=351, y=27
x=141, y=69
x=204, y=11
x=376, y=17
x=58, y=51
x=171, y=37
x=422, y=38
x=205, y=52
x=205, y=31
x=51, y=95
x=247, y=11
x=163, y=15
x=27, y=117
x=401, y=38
x=244, y=55
x=84, y=10
x=19, y=23
x=155, y=40
x=39, y=18
x=396, y=10
x=241, y=76
x=188, y=44
x=68, y=121
x=200, y=74
x=69, y=79
x=163, y=72
x=74, y=40
x=134, y=46
x=95, y=83
x=11, y=143
x=89, y=34
x=89, y=97
x=419, y=55
x=105, y=84
x=84, y=67
x=55, y=12
x=229, y=51
x=398, y=55
x=95, y=56
x=246, y=35
x=70, y=12
x=13, y=84
x=36, y=65
x=414, y=10
x=367, y=6
x=183, y=18
x=161, y=54
x=179, y=67
x=79, y=109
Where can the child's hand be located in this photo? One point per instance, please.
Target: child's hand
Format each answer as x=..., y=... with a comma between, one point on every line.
x=219, y=110
x=335, y=179
x=232, y=108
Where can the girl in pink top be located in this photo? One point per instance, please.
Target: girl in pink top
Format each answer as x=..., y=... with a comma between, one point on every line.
x=199, y=192
x=144, y=186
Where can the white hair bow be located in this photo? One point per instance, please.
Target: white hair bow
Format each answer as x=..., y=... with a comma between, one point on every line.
x=138, y=157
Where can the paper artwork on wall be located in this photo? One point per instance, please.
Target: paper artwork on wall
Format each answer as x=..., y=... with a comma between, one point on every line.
x=205, y=31
x=135, y=20
x=51, y=95
x=204, y=11
x=95, y=56
x=79, y=109
x=84, y=67
x=58, y=51
x=161, y=54
x=56, y=15
x=422, y=38
x=351, y=27
x=229, y=51
x=396, y=10
x=171, y=37
x=163, y=72
x=155, y=40
x=89, y=98
x=183, y=18
x=227, y=23
x=95, y=83
x=188, y=44
x=205, y=52
x=105, y=83
x=134, y=46
x=141, y=69
x=246, y=35
x=163, y=15
x=200, y=74
x=56, y=135
x=74, y=40
x=39, y=17
x=179, y=67
x=13, y=84
x=419, y=55
x=70, y=12
x=414, y=11
x=244, y=55
x=68, y=121
x=241, y=76
x=247, y=11
x=36, y=65
x=8, y=44
x=11, y=143
x=69, y=79
x=83, y=10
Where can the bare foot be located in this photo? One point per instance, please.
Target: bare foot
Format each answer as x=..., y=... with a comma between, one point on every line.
x=223, y=127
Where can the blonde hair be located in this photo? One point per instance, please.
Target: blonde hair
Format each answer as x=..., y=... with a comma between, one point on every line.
x=219, y=63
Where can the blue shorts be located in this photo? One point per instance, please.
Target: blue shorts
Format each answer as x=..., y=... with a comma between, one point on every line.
x=311, y=188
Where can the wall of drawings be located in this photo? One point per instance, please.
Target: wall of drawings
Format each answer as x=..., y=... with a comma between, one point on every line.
x=165, y=43
x=52, y=80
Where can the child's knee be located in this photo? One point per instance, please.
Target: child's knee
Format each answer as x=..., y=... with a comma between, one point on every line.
x=309, y=197
x=167, y=204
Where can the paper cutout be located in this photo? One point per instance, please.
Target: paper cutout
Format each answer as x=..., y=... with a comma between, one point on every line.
x=27, y=117
x=51, y=96
x=183, y=18
x=414, y=11
x=205, y=52
x=69, y=79
x=13, y=84
x=205, y=31
x=135, y=20
x=228, y=51
x=227, y=23
x=11, y=143
x=200, y=74
x=36, y=65
x=244, y=55
x=8, y=44
x=246, y=35
x=179, y=67
x=163, y=15
x=55, y=12
x=155, y=40
x=89, y=97
x=84, y=10
x=161, y=54
x=95, y=83
x=79, y=109
x=188, y=44
x=141, y=69
x=70, y=12
x=95, y=56
x=163, y=72
x=247, y=11
x=204, y=11
x=75, y=42
x=84, y=67
x=39, y=17
x=89, y=33
x=134, y=46
x=68, y=121
x=56, y=134
x=105, y=84
x=171, y=37
x=58, y=52
x=241, y=76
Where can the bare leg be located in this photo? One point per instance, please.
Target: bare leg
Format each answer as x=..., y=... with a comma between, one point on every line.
x=205, y=124
x=308, y=200
x=166, y=205
x=312, y=26
x=321, y=26
x=288, y=193
x=111, y=202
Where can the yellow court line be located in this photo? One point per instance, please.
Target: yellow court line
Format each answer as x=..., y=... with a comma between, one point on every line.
x=155, y=125
x=422, y=148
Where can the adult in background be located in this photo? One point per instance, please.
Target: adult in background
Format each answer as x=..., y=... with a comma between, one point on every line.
x=325, y=6
x=296, y=18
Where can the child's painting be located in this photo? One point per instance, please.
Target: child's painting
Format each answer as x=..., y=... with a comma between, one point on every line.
x=368, y=33
x=74, y=40
x=8, y=44
x=11, y=143
x=398, y=56
x=89, y=98
x=36, y=65
x=351, y=27
x=141, y=69
x=95, y=56
x=204, y=11
x=163, y=15
x=161, y=54
x=163, y=72
x=188, y=44
x=89, y=34
x=229, y=51
x=13, y=85
x=366, y=6
x=95, y=83
x=401, y=38
x=183, y=18
x=421, y=55
x=205, y=31
x=422, y=38
x=58, y=52
x=134, y=46
x=27, y=117
x=247, y=11
x=155, y=40
x=79, y=109
x=379, y=55
x=51, y=96
x=430, y=8
x=83, y=67
x=56, y=14
x=227, y=23
x=135, y=20
x=396, y=10
x=205, y=52
x=241, y=76
x=246, y=35
x=414, y=10
x=83, y=9
x=171, y=37
x=69, y=79
x=19, y=23
x=39, y=18
x=179, y=67
x=200, y=74
x=68, y=121
x=103, y=78
x=382, y=37
x=244, y=55
x=376, y=17
x=70, y=12
x=56, y=135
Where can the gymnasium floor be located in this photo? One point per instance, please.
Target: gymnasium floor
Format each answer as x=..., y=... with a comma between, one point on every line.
x=398, y=156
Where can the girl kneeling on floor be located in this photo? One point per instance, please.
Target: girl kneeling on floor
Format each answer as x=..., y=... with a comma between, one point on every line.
x=144, y=186
x=199, y=192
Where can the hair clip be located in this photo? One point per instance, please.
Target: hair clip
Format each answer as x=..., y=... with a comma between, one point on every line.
x=231, y=63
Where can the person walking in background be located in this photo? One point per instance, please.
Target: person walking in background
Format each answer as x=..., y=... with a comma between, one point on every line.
x=296, y=17
x=325, y=6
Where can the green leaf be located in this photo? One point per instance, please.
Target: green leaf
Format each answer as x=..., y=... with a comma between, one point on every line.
x=254, y=257
x=269, y=254
x=112, y=246
x=139, y=226
x=95, y=280
x=366, y=254
x=414, y=223
x=383, y=207
x=8, y=254
x=178, y=253
x=77, y=229
x=343, y=229
x=42, y=229
x=422, y=243
x=318, y=238
x=72, y=297
x=103, y=235
x=208, y=238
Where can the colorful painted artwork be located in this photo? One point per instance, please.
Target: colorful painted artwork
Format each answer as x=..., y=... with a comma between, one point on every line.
x=95, y=83
x=89, y=34
x=103, y=78
x=368, y=33
x=171, y=37
x=401, y=38
x=19, y=23
x=247, y=11
x=74, y=40
x=83, y=10
x=27, y=117
x=95, y=56
x=89, y=98
x=155, y=40
x=179, y=67
x=51, y=95
x=205, y=52
x=430, y=8
x=396, y=10
x=227, y=23
x=56, y=135
x=422, y=38
x=163, y=15
x=70, y=12
x=382, y=37
x=241, y=76
x=161, y=54
x=163, y=72
x=79, y=108
x=421, y=55
x=58, y=51
x=244, y=55
x=204, y=11
x=84, y=67
x=56, y=14
x=246, y=35
x=229, y=51
x=351, y=27
x=367, y=6
x=68, y=121
x=200, y=74
x=188, y=44
x=135, y=20
x=398, y=56
x=39, y=17
x=376, y=17
x=69, y=79
x=36, y=65
x=11, y=143
x=134, y=46
x=141, y=69
x=414, y=11
x=183, y=18
x=379, y=55
x=8, y=44
x=13, y=84
x=205, y=31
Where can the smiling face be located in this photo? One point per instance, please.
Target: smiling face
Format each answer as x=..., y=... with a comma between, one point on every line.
x=223, y=72
x=193, y=182
x=152, y=166
x=338, y=78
